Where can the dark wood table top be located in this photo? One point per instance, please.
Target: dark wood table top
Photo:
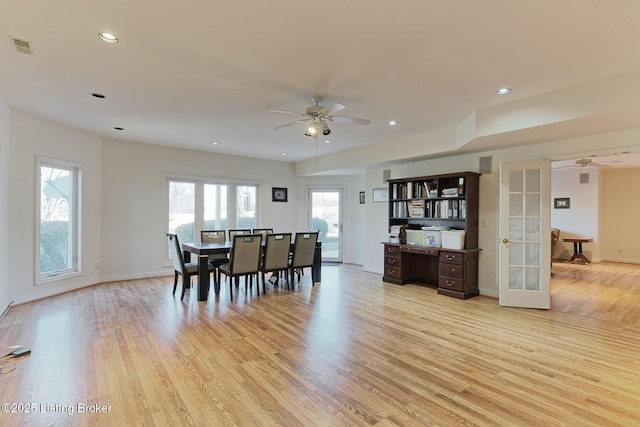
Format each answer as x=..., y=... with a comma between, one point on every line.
x=578, y=240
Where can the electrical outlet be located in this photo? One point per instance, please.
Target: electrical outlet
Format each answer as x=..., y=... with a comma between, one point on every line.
x=97, y=265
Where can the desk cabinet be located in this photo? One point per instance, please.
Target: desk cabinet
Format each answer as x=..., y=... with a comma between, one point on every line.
x=458, y=274
x=393, y=264
x=454, y=272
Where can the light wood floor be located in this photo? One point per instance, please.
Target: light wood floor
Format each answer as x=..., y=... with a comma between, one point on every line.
x=350, y=351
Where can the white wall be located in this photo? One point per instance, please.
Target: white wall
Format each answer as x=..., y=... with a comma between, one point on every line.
x=30, y=137
x=5, y=115
x=582, y=218
x=354, y=229
x=132, y=199
x=619, y=207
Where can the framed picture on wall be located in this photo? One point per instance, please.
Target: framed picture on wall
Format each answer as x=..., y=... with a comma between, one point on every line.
x=278, y=194
x=561, y=203
x=380, y=195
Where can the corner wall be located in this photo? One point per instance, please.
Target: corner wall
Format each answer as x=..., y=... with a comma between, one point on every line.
x=5, y=115
x=30, y=137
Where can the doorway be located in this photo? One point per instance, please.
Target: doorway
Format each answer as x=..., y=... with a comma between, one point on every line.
x=325, y=214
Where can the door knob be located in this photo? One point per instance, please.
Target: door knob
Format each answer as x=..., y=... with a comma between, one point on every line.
x=505, y=240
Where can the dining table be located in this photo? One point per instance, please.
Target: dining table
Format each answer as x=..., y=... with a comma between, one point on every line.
x=203, y=250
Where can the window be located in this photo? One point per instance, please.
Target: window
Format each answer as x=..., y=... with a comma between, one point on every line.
x=246, y=206
x=58, y=219
x=195, y=205
x=215, y=207
x=182, y=212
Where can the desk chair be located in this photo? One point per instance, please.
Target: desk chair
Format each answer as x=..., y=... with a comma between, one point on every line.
x=244, y=259
x=179, y=266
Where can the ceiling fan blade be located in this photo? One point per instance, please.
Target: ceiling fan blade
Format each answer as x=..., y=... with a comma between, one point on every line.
x=331, y=109
x=289, y=124
x=352, y=120
x=287, y=112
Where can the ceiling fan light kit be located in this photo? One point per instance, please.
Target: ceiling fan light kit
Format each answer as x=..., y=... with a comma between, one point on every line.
x=319, y=115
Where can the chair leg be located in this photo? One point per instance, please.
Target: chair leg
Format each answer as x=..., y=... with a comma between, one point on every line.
x=184, y=285
x=175, y=282
x=230, y=288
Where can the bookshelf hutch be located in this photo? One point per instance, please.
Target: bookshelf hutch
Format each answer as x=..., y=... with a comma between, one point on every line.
x=451, y=201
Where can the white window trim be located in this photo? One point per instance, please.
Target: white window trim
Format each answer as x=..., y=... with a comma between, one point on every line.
x=75, y=213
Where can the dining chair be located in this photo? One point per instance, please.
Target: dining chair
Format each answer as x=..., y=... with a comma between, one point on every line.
x=303, y=253
x=233, y=232
x=216, y=260
x=263, y=231
x=275, y=257
x=244, y=259
x=186, y=270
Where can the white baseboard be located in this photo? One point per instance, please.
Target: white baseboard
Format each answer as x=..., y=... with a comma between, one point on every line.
x=119, y=277
x=49, y=290
x=489, y=293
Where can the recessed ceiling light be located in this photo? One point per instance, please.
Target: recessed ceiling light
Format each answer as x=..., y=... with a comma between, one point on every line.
x=327, y=141
x=283, y=154
x=98, y=95
x=503, y=91
x=118, y=128
x=392, y=123
x=215, y=143
x=108, y=37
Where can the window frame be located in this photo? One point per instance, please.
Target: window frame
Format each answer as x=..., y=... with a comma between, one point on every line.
x=75, y=218
x=200, y=182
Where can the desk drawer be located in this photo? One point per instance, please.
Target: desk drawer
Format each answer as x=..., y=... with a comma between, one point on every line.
x=451, y=257
x=452, y=283
x=393, y=272
x=393, y=250
x=451, y=270
x=390, y=261
x=425, y=250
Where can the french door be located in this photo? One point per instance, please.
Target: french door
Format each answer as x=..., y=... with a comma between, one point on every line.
x=525, y=234
x=325, y=212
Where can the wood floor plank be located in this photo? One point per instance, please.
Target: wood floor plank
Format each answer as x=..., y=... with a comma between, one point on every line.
x=349, y=351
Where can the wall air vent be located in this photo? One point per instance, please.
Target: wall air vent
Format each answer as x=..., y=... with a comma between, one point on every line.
x=22, y=46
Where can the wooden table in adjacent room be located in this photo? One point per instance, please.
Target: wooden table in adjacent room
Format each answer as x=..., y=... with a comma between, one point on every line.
x=577, y=248
x=203, y=250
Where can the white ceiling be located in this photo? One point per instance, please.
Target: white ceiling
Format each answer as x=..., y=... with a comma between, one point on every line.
x=188, y=73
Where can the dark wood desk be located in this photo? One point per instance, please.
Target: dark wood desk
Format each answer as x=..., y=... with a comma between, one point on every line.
x=453, y=271
x=577, y=249
x=203, y=250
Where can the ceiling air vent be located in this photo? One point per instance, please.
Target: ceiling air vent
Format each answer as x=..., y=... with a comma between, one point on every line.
x=22, y=46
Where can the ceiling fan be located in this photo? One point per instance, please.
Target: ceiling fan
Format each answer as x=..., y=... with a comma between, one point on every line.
x=583, y=163
x=318, y=116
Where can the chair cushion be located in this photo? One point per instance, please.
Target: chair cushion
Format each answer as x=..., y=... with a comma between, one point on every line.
x=224, y=267
x=191, y=267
